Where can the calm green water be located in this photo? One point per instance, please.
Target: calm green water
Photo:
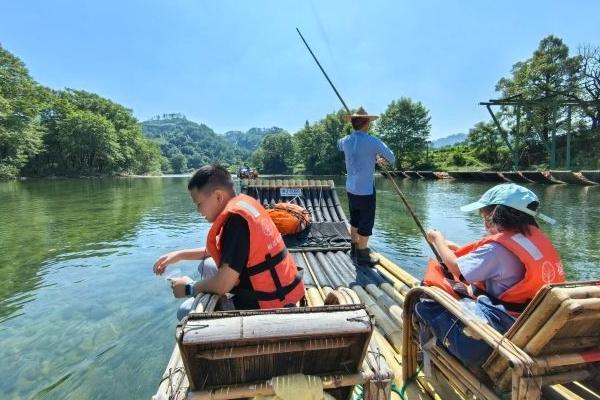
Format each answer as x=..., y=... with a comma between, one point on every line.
x=82, y=316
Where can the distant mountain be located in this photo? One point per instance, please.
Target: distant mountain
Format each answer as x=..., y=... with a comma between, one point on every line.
x=449, y=140
x=198, y=143
x=251, y=139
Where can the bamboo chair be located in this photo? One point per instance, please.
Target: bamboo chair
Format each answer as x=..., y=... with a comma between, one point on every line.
x=235, y=354
x=555, y=341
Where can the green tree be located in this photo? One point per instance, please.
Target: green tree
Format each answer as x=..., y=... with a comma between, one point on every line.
x=317, y=144
x=276, y=154
x=179, y=163
x=545, y=77
x=405, y=127
x=165, y=165
x=487, y=145
x=20, y=130
x=85, y=120
x=88, y=144
x=588, y=95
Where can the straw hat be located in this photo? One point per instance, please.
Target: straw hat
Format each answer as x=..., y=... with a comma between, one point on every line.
x=361, y=113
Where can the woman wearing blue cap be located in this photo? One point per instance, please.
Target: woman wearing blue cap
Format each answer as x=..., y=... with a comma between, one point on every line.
x=512, y=262
x=503, y=271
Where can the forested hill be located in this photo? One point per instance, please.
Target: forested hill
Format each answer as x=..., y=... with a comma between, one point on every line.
x=251, y=139
x=187, y=145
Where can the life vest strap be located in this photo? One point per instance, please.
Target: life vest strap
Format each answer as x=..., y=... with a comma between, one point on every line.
x=269, y=264
x=278, y=294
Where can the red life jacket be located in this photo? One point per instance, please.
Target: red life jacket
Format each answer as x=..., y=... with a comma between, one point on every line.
x=276, y=280
x=535, y=251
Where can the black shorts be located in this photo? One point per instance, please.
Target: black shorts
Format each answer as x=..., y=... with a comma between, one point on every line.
x=362, y=212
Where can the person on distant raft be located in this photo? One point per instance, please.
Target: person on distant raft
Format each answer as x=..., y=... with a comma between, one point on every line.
x=361, y=152
x=495, y=277
x=512, y=262
x=250, y=259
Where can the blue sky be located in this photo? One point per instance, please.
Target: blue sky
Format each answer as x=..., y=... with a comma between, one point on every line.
x=234, y=65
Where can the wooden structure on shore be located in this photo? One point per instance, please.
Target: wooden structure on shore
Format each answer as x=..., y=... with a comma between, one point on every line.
x=387, y=293
x=586, y=178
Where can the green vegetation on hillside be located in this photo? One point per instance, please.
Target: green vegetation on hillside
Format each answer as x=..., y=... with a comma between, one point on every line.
x=251, y=139
x=186, y=145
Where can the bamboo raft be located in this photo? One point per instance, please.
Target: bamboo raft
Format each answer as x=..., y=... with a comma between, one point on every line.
x=387, y=293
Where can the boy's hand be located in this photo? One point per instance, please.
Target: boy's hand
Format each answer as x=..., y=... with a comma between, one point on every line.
x=163, y=261
x=178, y=286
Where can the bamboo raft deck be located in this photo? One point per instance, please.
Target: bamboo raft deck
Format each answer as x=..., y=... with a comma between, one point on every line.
x=331, y=278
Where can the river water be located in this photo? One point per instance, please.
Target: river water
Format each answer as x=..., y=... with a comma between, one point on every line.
x=82, y=316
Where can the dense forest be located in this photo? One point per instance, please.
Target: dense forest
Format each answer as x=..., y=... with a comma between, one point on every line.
x=549, y=118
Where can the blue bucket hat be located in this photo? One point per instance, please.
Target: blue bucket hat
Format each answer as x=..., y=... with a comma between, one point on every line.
x=510, y=195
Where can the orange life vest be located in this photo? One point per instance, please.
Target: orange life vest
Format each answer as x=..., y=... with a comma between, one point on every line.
x=289, y=218
x=276, y=280
x=535, y=251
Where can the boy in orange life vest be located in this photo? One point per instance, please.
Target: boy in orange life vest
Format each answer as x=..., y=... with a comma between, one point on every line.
x=253, y=262
x=510, y=264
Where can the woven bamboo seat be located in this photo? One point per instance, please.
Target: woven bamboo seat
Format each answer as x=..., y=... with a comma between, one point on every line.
x=235, y=354
x=555, y=341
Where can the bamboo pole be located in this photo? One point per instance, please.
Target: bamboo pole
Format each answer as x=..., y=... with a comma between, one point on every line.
x=539, y=311
x=398, y=272
x=391, y=330
x=314, y=297
x=394, y=294
x=394, y=282
x=461, y=374
x=386, y=303
x=559, y=360
x=352, y=294
x=566, y=310
x=312, y=273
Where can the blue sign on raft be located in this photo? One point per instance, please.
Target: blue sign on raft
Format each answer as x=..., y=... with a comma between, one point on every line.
x=290, y=192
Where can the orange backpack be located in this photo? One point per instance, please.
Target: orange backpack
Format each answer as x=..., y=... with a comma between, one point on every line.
x=289, y=218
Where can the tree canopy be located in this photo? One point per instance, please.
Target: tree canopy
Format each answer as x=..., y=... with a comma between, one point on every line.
x=405, y=126
x=66, y=132
x=275, y=154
